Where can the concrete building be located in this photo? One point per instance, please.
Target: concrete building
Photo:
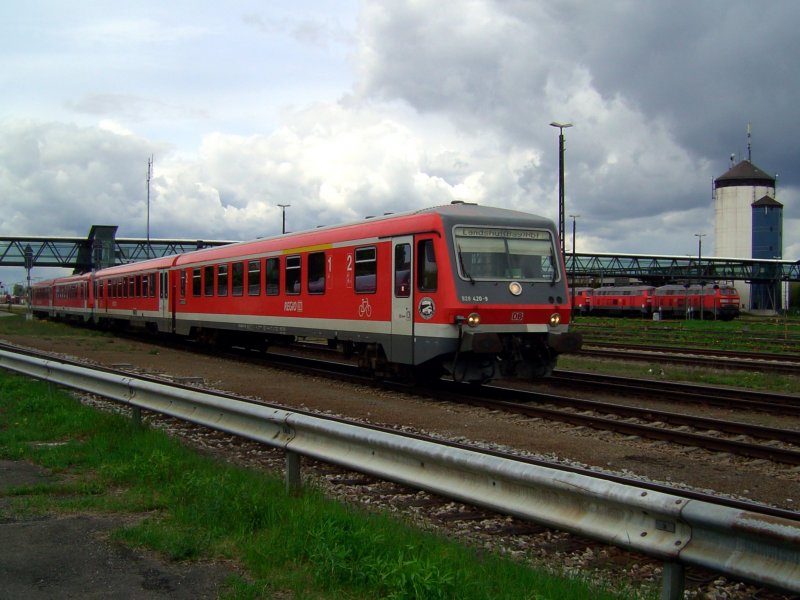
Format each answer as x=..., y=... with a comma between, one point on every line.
x=748, y=223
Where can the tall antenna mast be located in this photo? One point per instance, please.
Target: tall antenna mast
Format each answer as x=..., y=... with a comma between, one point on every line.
x=749, y=149
x=149, y=175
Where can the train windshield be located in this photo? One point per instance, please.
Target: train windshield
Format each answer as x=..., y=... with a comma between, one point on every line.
x=492, y=254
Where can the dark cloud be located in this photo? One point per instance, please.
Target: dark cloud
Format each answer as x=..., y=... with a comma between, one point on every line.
x=660, y=93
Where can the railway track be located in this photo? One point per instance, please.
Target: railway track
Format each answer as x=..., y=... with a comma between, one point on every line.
x=718, y=359
x=676, y=392
x=732, y=437
x=485, y=528
x=499, y=401
x=736, y=438
x=710, y=434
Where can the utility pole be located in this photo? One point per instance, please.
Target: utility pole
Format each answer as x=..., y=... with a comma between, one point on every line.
x=700, y=237
x=561, y=224
x=149, y=175
x=283, y=210
x=572, y=282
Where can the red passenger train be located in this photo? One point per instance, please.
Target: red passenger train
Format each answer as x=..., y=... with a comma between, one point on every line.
x=470, y=291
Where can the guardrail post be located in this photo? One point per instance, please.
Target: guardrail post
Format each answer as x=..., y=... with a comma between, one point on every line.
x=673, y=581
x=136, y=416
x=292, y=472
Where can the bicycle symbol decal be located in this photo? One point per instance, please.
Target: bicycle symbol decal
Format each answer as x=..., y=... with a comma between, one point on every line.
x=365, y=309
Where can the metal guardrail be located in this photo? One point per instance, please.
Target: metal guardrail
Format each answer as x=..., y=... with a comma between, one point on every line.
x=679, y=531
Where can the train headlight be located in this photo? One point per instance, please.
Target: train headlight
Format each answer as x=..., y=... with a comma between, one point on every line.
x=473, y=320
x=555, y=319
x=515, y=287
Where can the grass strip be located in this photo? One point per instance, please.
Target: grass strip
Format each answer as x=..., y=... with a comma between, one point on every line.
x=198, y=507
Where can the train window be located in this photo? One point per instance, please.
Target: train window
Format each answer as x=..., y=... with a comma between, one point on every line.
x=152, y=285
x=402, y=270
x=132, y=287
x=505, y=254
x=316, y=273
x=427, y=271
x=366, y=270
x=293, y=274
x=222, y=280
x=145, y=286
x=183, y=284
x=273, y=276
x=197, y=282
x=208, y=281
x=254, y=277
x=237, y=278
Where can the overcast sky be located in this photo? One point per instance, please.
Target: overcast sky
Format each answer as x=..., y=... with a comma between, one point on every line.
x=344, y=109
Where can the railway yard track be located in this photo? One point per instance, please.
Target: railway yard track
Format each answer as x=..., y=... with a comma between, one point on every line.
x=697, y=357
x=776, y=446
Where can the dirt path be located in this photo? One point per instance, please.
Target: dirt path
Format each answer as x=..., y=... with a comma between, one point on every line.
x=70, y=556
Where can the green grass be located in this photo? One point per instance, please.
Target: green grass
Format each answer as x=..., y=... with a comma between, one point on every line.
x=19, y=325
x=746, y=334
x=760, y=334
x=769, y=382
x=194, y=507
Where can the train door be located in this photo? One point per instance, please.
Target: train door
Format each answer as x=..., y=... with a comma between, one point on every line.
x=163, y=301
x=402, y=345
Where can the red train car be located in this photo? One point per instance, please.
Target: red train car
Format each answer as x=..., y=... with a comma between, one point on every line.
x=68, y=298
x=671, y=301
x=710, y=301
x=471, y=291
x=582, y=300
x=629, y=300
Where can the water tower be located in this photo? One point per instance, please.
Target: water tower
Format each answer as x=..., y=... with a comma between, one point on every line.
x=748, y=223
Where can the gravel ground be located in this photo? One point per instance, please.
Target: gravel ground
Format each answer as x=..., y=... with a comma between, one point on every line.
x=753, y=479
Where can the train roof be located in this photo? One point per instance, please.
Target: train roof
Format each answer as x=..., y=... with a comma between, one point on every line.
x=406, y=223
x=67, y=279
x=642, y=286
x=144, y=265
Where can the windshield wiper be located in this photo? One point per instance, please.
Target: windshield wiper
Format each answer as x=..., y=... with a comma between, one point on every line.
x=463, y=269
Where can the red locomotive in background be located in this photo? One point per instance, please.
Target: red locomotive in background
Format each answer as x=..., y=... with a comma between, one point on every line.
x=710, y=301
x=470, y=291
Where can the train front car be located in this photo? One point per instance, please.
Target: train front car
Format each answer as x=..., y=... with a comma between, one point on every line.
x=512, y=305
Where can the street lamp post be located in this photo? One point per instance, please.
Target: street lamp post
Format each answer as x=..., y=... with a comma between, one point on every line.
x=700, y=237
x=561, y=225
x=572, y=283
x=28, y=255
x=283, y=211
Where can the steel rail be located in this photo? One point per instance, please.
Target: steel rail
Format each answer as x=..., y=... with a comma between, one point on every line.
x=696, y=351
x=679, y=531
x=688, y=393
x=496, y=397
x=741, y=364
x=351, y=374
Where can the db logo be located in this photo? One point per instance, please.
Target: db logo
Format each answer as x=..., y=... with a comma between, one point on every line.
x=517, y=316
